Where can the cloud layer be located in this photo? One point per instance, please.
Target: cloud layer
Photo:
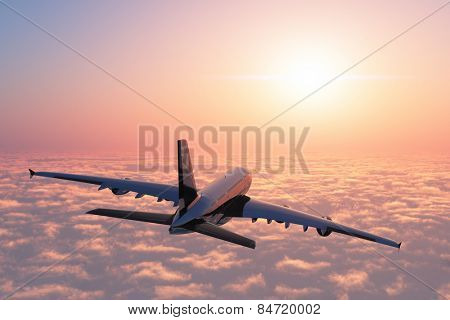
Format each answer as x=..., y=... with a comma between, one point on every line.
x=42, y=221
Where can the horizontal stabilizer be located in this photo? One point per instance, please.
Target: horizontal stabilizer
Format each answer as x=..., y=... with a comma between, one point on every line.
x=214, y=231
x=159, y=218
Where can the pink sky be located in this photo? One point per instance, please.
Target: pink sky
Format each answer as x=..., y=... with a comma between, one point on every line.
x=230, y=63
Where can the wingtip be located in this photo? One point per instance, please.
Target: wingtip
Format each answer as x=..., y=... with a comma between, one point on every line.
x=32, y=173
x=399, y=244
x=93, y=211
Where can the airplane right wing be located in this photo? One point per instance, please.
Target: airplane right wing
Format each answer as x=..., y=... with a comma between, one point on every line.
x=245, y=207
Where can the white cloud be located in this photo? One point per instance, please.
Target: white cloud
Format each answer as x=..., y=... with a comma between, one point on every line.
x=54, y=291
x=190, y=291
x=288, y=264
x=144, y=247
x=353, y=279
x=154, y=270
x=245, y=284
x=397, y=287
x=213, y=260
x=287, y=292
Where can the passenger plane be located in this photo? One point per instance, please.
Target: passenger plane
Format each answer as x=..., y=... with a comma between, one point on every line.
x=205, y=210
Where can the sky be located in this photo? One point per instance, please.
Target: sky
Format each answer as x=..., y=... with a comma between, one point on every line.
x=376, y=150
x=224, y=63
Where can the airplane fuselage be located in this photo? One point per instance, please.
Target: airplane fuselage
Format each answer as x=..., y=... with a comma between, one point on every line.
x=234, y=183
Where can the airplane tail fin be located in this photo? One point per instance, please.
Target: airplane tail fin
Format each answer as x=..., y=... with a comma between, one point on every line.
x=186, y=181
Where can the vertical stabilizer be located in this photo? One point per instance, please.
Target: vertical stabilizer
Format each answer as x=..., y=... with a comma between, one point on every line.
x=186, y=181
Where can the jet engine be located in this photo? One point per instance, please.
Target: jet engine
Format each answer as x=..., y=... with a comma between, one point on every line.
x=119, y=192
x=326, y=232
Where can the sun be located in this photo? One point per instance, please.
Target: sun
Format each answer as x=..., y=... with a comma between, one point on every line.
x=294, y=76
x=307, y=75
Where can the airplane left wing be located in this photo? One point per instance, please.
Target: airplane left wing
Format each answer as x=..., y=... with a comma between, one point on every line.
x=158, y=218
x=119, y=186
x=243, y=206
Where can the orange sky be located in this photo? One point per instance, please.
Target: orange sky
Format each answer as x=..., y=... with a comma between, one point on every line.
x=227, y=63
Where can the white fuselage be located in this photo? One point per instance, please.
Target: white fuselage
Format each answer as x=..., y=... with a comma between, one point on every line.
x=235, y=182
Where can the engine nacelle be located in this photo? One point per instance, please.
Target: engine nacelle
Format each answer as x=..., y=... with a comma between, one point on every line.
x=119, y=192
x=322, y=233
x=326, y=232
